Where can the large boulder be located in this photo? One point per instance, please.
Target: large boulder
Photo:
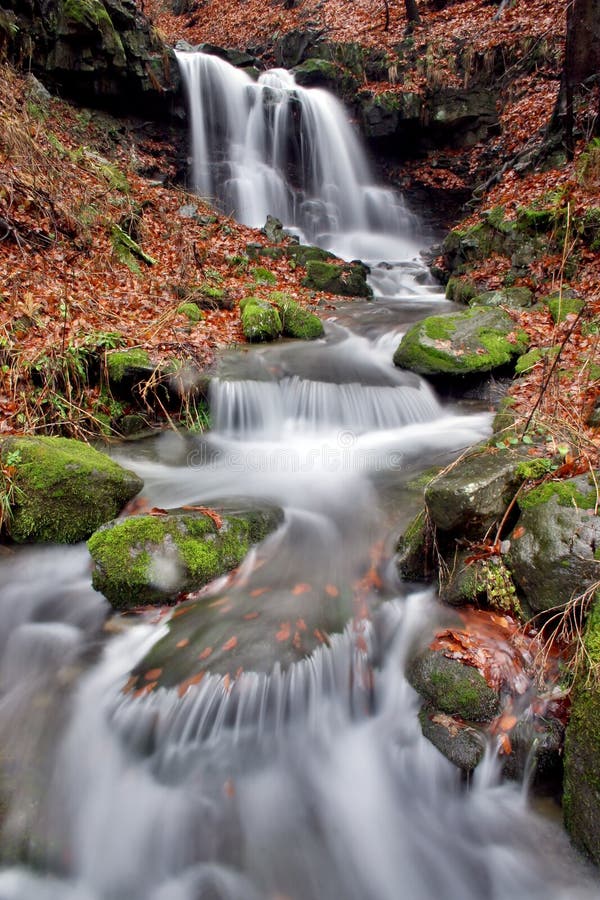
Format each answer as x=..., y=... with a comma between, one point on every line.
x=154, y=558
x=98, y=51
x=556, y=554
x=61, y=490
x=470, y=343
x=581, y=799
x=472, y=495
x=297, y=321
x=260, y=321
x=349, y=279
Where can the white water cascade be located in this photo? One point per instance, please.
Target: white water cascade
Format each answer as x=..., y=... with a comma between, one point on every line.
x=273, y=147
x=304, y=776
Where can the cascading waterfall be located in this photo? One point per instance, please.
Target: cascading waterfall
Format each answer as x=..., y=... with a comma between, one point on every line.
x=272, y=147
x=307, y=780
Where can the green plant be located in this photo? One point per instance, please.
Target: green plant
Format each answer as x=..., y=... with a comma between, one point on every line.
x=588, y=166
x=10, y=492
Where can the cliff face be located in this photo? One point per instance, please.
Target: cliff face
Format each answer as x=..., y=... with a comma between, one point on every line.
x=98, y=52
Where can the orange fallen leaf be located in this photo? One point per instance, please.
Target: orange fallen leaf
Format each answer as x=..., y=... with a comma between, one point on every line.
x=301, y=589
x=257, y=592
x=152, y=674
x=230, y=644
x=205, y=653
x=193, y=679
x=182, y=643
x=518, y=533
x=331, y=590
x=251, y=615
x=284, y=632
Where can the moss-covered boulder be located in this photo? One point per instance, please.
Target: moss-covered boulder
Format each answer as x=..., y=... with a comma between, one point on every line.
x=152, y=559
x=296, y=321
x=563, y=304
x=581, y=798
x=61, y=490
x=413, y=550
x=349, y=279
x=260, y=320
x=318, y=73
x=452, y=688
x=511, y=298
x=470, y=343
x=301, y=254
x=472, y=495
x=555, y=556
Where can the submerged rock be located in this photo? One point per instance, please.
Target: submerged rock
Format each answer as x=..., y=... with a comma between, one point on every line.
x=62, y=490
x=470, y=343
x=153, y=559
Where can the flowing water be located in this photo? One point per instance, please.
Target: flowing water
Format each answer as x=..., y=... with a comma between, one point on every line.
x=306, y=779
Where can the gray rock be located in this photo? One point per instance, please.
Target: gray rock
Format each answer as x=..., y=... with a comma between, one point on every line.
x=474, y=493
x=555, y=558
x=462, y=744
x=452, y=687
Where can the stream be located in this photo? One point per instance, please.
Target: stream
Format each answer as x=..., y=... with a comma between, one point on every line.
x=303, y=780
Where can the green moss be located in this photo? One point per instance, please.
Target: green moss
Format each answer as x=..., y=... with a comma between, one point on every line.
x=250, y=301
x=461, y=290
x=349, y=280
x=261, y=322
x=263, y=276
x=129, y=251
x=533, y=220
x=66, y=489
x=440, y=328
x=212, y=292
x=452, y=687
x=561, y=307
x=566, y=493
x=85, y=12
x=118, y=363
x=534, y=469
x=301, y=254
x=191, y=311
x=297, y=322
x=496, y=217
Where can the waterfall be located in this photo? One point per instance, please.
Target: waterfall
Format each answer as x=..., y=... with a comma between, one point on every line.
x=274, y=147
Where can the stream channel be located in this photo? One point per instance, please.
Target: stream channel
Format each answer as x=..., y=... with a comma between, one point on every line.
x=307, y=778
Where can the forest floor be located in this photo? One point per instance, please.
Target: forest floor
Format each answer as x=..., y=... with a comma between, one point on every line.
x=71, y=178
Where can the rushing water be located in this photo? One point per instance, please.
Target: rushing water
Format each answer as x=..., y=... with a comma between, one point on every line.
x=310, y=781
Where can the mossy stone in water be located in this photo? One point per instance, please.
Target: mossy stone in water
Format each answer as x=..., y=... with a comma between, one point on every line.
x=65, y=489
x=473, y=342
x=348, y=280
x=152, y=559
x=581, y=799
x=297, y=322
x=452, y=687
x=260, y=322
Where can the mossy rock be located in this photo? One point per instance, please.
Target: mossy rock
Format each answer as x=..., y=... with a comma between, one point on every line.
x=64, y=489
x=413, y=551
x=301, y=254
x=260, y=321
x=470, y=343
x=128, y=365
x=505, y=416
x=461, y=290
x=191, y=311
x=153, y=559
x=349, y=279
x=581, y=797
x=297, y=322
x=460, y=743
x=317, y=72
x=472, y=495
x=453, y=688
x=510, y=297
x=562, y=306
x=530, y=359
x=553, y=558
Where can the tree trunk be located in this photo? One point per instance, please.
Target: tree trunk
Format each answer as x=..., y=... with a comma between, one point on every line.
x=412, y=12
x=582, y=62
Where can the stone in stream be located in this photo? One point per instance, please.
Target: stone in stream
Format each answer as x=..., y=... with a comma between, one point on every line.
x=152, y=559
x=348, y=280
x=453, y=688
x=61, y=490
x=557, y=555
x=460, y=743
x=475, y=342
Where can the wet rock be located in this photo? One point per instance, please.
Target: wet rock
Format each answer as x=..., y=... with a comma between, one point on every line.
x=301, y=254
x=472, y=496
x=581, y=798
x=556, y=555
x=536, y=743
x=153, y=559
x=260, y=321
x=348, y=280
x=511, y=298
x=320, y=73
x=453, y=688
x=460, y=743
x=470, y=343
x=62, y=490
x=297, y=322
x=413, y=551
